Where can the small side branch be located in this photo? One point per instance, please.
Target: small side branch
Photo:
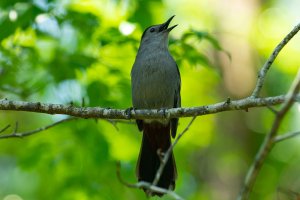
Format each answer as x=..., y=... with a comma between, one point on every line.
x=146, y=185
x=152, y=187
x=269, y=140
x=4, y=129
x=286, y=136
x=168, y=153
x=15, y=134
x=263, y=72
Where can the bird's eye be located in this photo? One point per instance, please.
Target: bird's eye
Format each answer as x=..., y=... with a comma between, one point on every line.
x=152, y=30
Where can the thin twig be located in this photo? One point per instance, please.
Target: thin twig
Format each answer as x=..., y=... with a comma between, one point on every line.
x=263, y=72
x=4, y=129
x=272, y=109
x=113, y=123
x=16, y=127
x=122, y=121
x=292, y=194
x=169, y=152
x=269, y=140
x=146, y=185
x=15, y=134
x=285, y=136
x=152, y=187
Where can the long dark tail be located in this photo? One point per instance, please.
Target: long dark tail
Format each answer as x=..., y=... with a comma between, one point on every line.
x=156, y=140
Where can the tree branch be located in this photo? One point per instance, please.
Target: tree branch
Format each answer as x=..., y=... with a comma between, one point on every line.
x=263, y=72
x=269, y=140
x=108, y=113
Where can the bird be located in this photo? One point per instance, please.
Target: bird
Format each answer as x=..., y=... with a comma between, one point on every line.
x=155, y=84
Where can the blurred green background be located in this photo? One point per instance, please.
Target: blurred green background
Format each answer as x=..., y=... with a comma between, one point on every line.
x=63, y=51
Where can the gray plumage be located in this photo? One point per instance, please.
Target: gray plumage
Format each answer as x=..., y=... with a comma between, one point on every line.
x=155, y=81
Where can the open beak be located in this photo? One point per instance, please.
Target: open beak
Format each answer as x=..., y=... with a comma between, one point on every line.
x=164, y=27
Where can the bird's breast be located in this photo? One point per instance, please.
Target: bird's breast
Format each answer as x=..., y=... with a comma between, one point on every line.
x=154, y=83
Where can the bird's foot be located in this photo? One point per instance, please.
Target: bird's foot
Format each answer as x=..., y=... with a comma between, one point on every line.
x=163, y=111
x=128, y=112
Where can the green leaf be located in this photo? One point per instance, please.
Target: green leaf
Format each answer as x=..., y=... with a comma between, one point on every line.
x=97, y=91
x=26, y=14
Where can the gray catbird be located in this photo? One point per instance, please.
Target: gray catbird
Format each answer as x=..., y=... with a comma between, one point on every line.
x=155, y=82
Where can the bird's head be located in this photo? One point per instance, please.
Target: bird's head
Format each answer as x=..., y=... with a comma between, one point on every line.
x=157, y=34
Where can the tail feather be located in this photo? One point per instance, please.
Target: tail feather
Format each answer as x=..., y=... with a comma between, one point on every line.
x=156, y=138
